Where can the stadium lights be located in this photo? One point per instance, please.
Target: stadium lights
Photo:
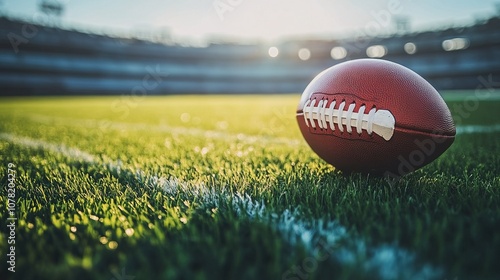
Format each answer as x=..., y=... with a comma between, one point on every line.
x=338, y=53
x=376, y=51
x=410, y=48
x=455, y=44
x=304, y=54
x=273, y=51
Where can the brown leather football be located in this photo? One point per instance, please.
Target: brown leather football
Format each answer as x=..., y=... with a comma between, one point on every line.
x=374, y=116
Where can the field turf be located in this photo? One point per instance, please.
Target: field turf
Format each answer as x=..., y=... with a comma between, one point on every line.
x=224, y=187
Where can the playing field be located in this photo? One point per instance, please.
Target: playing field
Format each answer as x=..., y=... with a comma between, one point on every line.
x=225, y=187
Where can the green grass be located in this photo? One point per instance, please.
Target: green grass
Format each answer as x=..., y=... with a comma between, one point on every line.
x=209, y=187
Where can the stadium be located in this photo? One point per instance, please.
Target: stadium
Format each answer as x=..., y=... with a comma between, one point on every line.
x=154, y=154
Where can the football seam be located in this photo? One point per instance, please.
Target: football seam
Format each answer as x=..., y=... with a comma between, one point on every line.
x=432, y=133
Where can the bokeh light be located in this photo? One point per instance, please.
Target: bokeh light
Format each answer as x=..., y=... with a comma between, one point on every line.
x=410, y=48
x=338, y=53
x=376, y=51
x=273, y=51
x=304, y=54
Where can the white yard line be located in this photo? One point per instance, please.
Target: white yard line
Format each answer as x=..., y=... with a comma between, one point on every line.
x=321, y=238
x=41, y=144
x=474, y=129
x=469, y=95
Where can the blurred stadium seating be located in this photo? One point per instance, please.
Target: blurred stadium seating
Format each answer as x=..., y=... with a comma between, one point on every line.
x=38, y=60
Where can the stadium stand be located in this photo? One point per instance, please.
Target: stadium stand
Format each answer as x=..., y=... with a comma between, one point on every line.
x=39, y=60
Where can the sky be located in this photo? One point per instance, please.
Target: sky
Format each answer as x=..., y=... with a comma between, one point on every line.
x=250, y=20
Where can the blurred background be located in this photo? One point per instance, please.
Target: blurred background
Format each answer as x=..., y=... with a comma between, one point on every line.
x=153, y=47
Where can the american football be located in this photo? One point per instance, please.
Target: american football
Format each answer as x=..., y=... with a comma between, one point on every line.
x=374, y=116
